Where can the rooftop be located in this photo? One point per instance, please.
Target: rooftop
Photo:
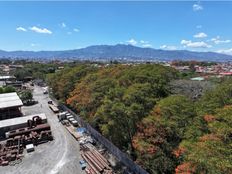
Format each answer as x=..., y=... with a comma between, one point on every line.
x=20, y=120
x=6, y=77
x=9, y=100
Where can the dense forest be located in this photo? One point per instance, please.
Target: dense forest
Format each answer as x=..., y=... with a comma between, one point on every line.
x=135, y=108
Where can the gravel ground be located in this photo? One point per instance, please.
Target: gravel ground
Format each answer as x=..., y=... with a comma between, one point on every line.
x=60, y=156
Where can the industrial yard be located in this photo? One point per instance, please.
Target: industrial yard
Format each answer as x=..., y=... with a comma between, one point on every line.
x=62, y=155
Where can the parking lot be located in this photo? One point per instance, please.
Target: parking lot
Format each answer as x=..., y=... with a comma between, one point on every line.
x=59, y=156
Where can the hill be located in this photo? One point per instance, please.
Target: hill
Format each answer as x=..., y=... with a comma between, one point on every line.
x=119, y=52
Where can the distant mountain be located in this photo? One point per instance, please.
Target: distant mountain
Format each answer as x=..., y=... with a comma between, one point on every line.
x=119, y=52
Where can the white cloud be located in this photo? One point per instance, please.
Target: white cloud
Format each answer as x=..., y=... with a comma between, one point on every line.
x=21, y=29
x=185, y=42
x=217, y=40
x=40, y=30
x=189, y=43
x=168, y=47
x=225, y=51
x=222, y=41
x=33, y=44
x=200, y=35
x=147, y=45
x=197, y=7
x=144, y=42
x=132, y=42
x=63, y=25
x=76, y=30
x=141, y=43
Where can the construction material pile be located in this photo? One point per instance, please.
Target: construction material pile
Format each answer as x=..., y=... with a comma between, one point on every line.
x=97, y=163
x=11, y=151
x=93, y=161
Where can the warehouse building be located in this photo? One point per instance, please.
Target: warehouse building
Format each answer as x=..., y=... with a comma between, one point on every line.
x=10, y=106
x=7, y=78
x=18, y=123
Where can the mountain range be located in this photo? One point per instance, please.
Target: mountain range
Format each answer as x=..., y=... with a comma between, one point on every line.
x=118, y=52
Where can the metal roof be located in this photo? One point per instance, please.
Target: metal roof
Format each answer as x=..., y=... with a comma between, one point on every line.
x=19, y=120
x=6, y=77
x=8, y=100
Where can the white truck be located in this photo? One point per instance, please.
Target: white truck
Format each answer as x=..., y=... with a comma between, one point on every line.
x=62, y=116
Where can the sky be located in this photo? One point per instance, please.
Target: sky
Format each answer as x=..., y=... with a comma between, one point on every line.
x=170, y=25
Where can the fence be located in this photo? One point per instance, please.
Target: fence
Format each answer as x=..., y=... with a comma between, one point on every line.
x=121, y=156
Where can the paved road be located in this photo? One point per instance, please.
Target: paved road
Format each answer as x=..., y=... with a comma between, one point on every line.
x=60, y=156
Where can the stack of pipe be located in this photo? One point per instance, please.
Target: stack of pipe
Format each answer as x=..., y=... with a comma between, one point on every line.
x=12, y=149
x=97, y=163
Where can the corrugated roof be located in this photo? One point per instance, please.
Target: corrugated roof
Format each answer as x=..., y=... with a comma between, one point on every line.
x=8, y=100
x=19, y=120
x=6, y=77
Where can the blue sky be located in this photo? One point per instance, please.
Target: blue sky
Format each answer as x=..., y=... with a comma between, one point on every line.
x=199, y=26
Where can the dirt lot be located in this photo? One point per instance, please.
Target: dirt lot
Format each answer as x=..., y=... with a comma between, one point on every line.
x=61, y=156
